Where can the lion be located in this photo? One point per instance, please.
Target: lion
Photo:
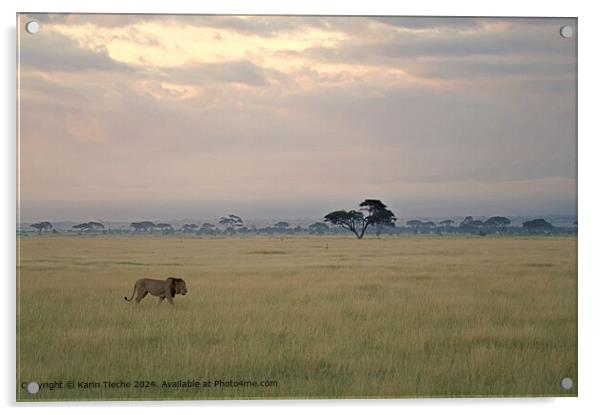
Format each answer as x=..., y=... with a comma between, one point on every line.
x=163, y=289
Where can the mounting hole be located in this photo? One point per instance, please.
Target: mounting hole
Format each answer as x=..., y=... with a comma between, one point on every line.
x=33, y=387
x=32, y=27
x=566, y=31
x=566, y=384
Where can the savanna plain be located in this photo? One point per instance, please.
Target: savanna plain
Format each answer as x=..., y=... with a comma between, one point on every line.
x=322, y=317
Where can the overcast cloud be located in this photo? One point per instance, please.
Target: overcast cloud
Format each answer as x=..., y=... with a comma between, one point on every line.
x=127, y=117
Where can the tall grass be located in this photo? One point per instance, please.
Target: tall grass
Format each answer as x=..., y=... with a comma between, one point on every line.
x=321, y=316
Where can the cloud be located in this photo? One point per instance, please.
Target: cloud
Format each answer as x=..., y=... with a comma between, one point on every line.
x=475, y=47
x=111, y=20
x=492, y=67
x=478, y=43
x=418, y=23
x=430, y=110
x=241, y=72
x=265, y=26
x=48, y=51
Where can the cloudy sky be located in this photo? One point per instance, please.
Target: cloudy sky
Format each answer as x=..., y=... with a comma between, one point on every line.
x=127, y=117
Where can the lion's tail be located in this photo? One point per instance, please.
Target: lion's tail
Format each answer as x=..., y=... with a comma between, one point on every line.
x=134, y=292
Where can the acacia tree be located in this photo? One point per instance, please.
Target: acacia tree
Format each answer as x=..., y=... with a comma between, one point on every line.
x=82, y=227
x=357, y=222
x=41, y=226
x=538, y=224
x=469, y=224
x=466, y=222
x=282, y=225
x=231, y=222
x=415, y=224
x=351, y=220
x=165, y=227
x=498, y=222
x=189, y=227
x=378, y=215
x=89, y=226
x=446, y=223
x=95, y=226
x=146, y=226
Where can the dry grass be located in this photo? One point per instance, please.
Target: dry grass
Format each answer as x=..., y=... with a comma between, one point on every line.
x=396, y=317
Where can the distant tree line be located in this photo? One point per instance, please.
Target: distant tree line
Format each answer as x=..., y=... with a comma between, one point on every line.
x=494, y=225
x=372, y=218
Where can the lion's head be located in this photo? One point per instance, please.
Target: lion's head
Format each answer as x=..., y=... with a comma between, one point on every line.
x=179, y=286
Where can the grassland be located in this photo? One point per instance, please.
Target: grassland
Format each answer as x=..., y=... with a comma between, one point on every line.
x=322, y=316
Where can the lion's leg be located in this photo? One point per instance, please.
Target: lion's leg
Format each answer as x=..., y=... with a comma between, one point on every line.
x=161, y=299
x=170, y=298
x=141, y=296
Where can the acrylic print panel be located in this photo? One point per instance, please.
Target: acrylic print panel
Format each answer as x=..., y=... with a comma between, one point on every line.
x=296, y=207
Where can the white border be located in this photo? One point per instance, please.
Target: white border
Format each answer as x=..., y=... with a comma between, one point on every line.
x=590, y=152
